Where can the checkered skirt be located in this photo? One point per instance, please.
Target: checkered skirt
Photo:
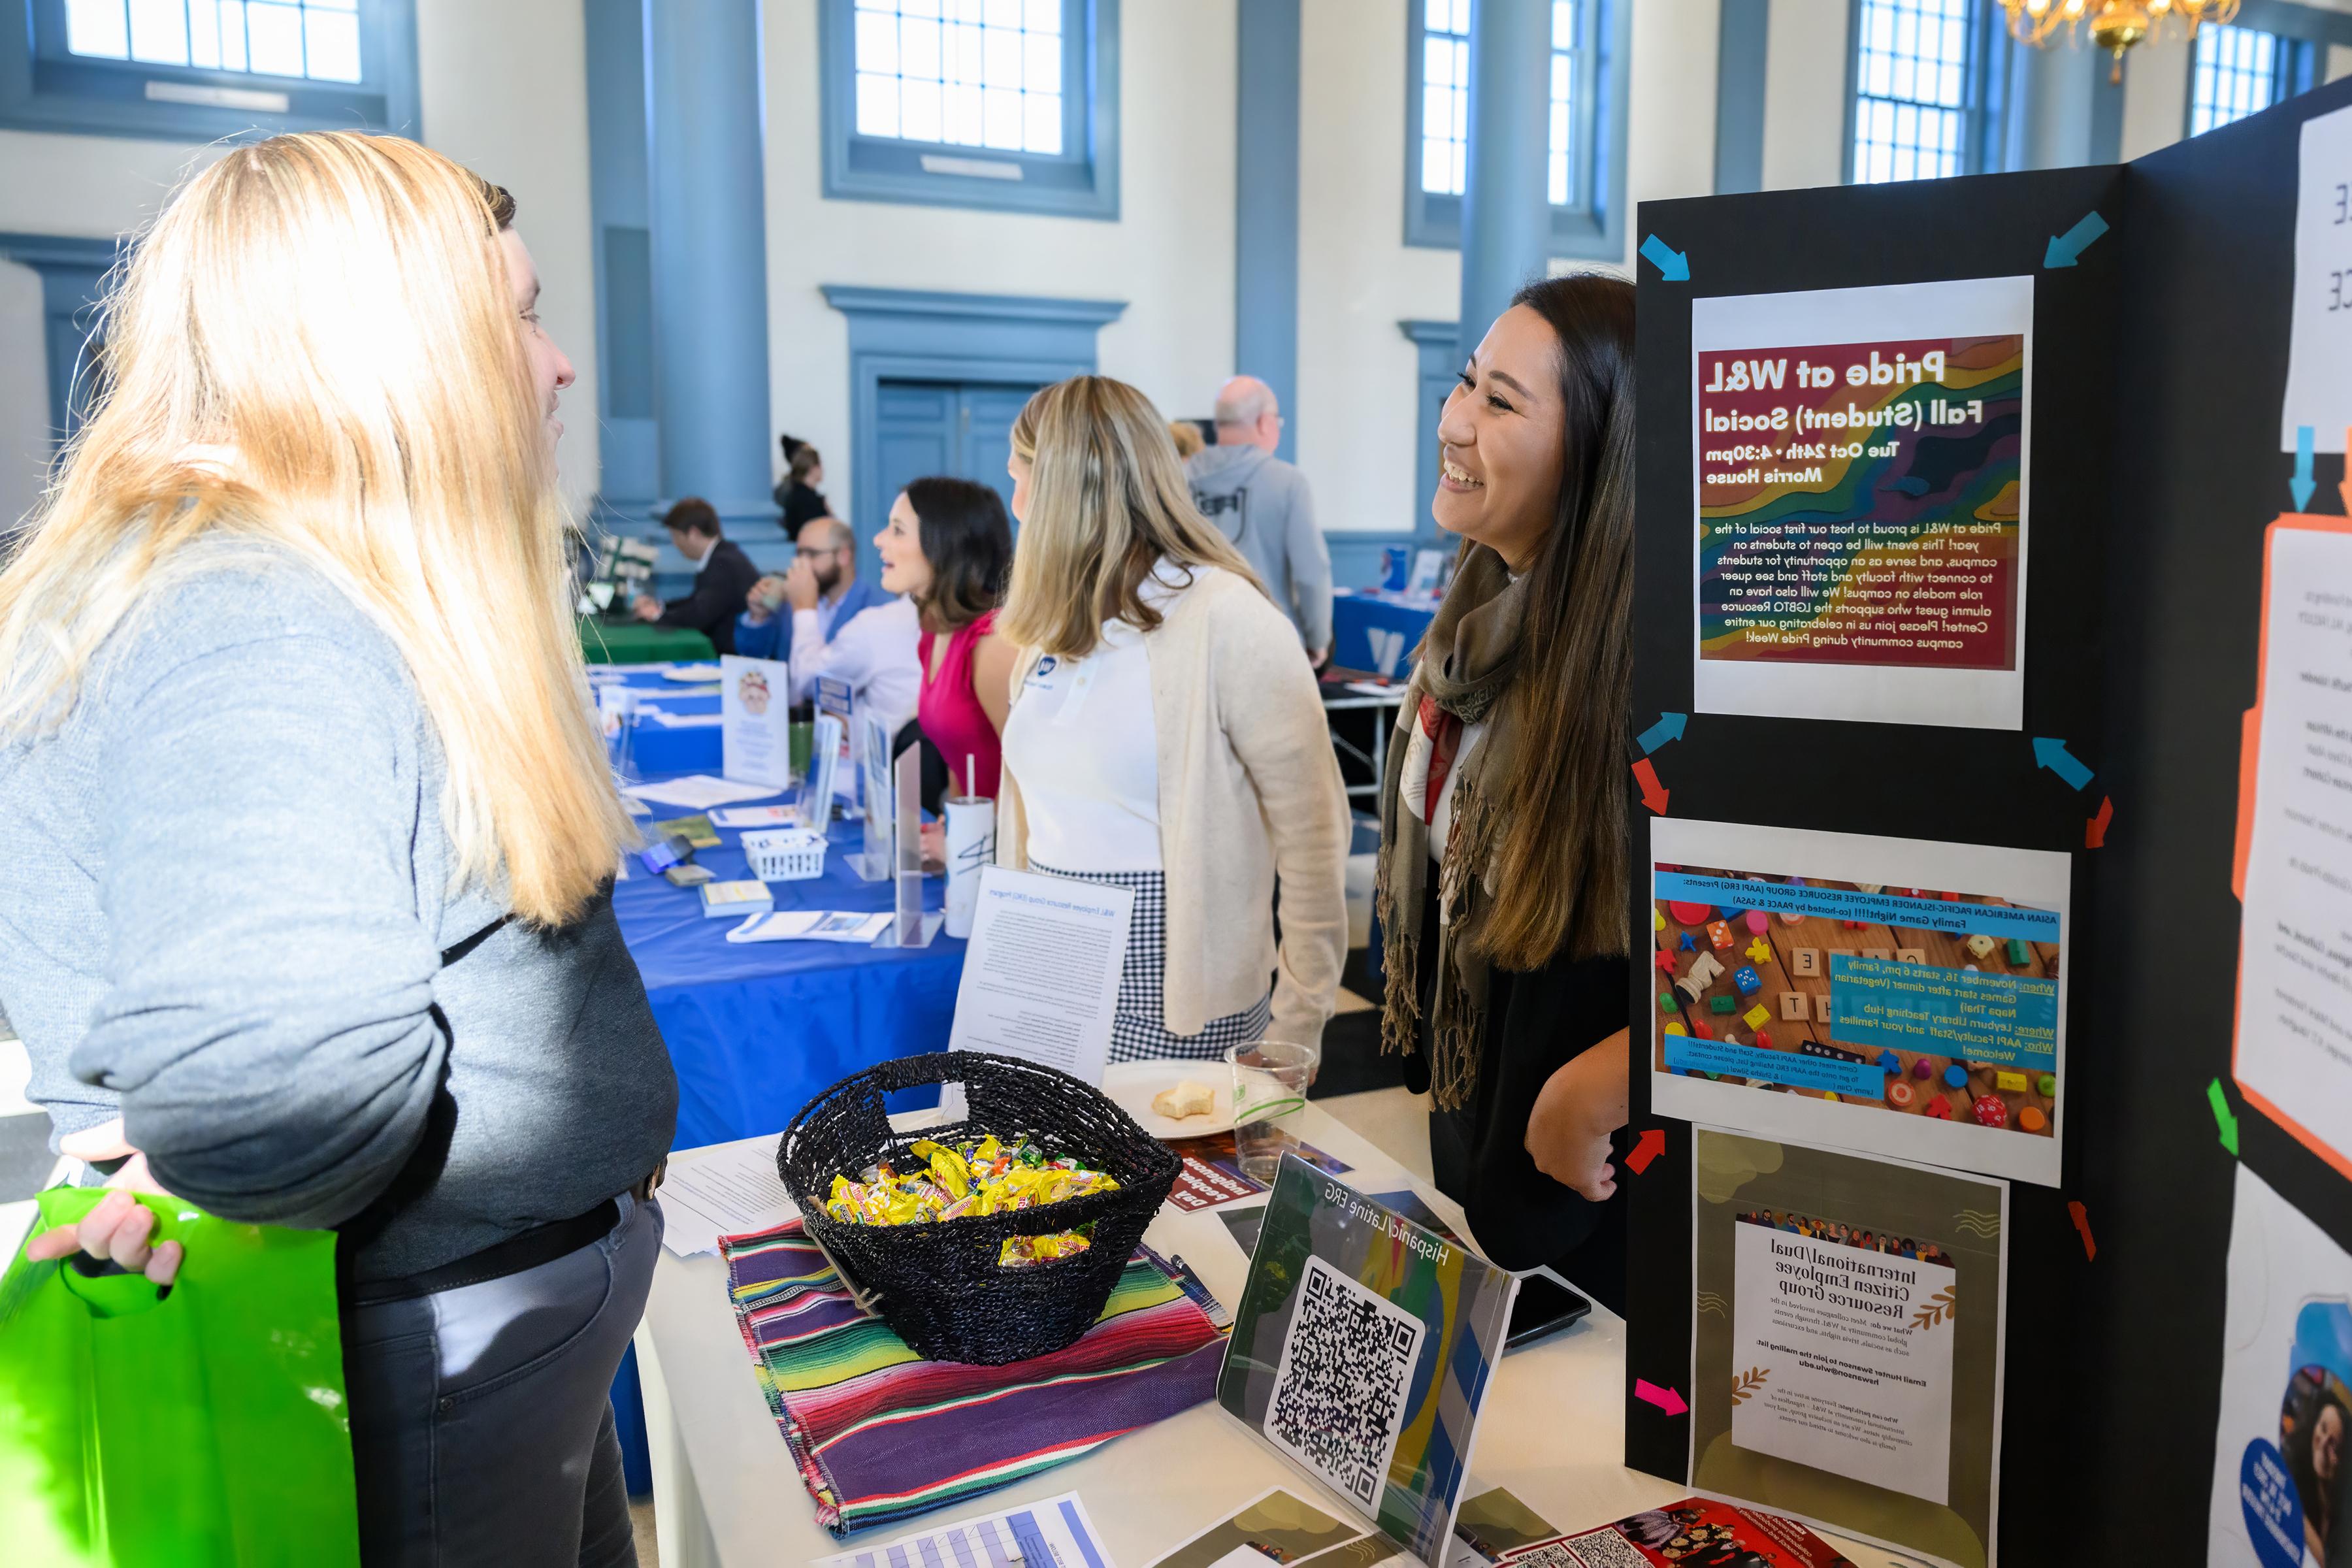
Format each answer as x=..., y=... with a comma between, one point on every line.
x=1137, y=1030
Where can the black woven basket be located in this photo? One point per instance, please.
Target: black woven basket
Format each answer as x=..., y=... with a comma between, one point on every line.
x=939, y=1284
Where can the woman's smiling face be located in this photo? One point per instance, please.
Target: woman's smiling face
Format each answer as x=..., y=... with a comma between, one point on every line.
x=1502, y=441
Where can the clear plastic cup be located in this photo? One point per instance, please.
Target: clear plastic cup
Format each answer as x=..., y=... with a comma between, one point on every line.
x=1270, y=1079
x=616, y=713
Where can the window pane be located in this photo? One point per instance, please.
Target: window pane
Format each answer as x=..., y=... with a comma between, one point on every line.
x=1004, y=122
x=1041, y=65
x=2236, y=75
x=1436, y=157
x=1437, y=62
x=1003, y=14
x=877, y=42
x=203, y=34
x=918, y=111
x=332, y=39
x=1563, y=24
x=961, y=10
x=919, y=51
x=274, y=38
x=1044, y=133
x=1044, y=16
x=1911, y=84
x=960, y=56
x=877, y=105
x=1436, y=15
x=1436, y=114
x=1001, y=59
x=232, y=36
x=159, y=32
x=964, y=118
x=100, y=29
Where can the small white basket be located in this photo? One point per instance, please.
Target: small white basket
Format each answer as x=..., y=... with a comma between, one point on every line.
x=785, y=854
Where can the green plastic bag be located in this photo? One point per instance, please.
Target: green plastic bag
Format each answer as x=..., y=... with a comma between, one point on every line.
x=206, y=1428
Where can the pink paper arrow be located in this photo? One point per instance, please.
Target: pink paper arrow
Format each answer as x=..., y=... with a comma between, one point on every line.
x=1665, y=1399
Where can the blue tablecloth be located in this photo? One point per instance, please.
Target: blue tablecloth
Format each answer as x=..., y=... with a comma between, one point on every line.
x=660, y=748
x=756, y=1028
x=1357, y=612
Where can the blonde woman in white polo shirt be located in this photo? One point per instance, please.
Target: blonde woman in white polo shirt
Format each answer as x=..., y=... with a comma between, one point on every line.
x=1165, y=735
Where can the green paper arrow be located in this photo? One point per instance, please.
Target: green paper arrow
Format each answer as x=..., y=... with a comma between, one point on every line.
x=2228, y=1123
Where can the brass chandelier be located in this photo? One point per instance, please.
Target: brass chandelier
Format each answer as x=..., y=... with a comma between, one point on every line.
x=2114, y=26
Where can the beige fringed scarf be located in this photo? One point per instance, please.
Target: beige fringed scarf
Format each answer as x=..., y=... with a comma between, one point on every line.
x=1466, y=663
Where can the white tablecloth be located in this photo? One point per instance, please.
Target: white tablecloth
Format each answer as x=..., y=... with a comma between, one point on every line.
x=725, y=1490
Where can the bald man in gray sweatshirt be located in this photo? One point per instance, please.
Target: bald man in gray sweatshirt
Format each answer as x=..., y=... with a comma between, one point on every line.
x=1262, y=504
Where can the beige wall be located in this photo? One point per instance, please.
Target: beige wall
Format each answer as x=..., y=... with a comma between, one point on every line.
x=504, y=89
x=1804, y=94
x=1169, y=254
x=2156, y=96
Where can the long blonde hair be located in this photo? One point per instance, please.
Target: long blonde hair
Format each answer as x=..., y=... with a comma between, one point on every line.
x=315, y=351
x=1107, y=500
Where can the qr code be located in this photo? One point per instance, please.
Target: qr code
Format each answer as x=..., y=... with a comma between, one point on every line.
x=1339, y=1390
x=1596, y=1549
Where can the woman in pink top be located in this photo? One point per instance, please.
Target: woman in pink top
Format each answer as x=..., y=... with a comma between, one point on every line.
x=949, y=547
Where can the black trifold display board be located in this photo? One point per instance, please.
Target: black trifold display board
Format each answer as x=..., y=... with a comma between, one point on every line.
x=2159, y=362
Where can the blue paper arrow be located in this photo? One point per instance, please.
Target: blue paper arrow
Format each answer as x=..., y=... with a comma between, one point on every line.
x=2301, y=484
x=1672, y=264
x=2053, y=755
x=1669, y=726
x=2066, y=247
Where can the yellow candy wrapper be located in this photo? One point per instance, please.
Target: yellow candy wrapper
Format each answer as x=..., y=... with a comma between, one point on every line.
x=983, y=1177
x=1024, y=1251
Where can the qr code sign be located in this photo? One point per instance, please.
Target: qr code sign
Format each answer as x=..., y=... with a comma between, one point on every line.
x=1339, y=1391
x=1599, y=1549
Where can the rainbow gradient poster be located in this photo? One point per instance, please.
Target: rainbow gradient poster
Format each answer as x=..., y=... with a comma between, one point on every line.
x=1861, y=467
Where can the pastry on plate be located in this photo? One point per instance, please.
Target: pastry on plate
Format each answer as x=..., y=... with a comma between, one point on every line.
x=1186, y=1099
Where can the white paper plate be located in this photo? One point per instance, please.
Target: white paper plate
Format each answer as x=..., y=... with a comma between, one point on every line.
x=1131, y=1085
x=694, y=674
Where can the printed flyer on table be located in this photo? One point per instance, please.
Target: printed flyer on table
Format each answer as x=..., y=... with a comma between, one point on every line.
x=1860, y=463
x=1896, y=995
x=1846, y=1342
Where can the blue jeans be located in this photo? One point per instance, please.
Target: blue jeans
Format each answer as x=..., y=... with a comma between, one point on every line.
x=481, y=1417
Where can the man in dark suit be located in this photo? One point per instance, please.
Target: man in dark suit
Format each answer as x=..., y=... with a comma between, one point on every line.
x=724, y=576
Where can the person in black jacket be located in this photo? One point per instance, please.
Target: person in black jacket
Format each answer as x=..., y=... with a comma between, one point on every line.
x=797, y=492
x=724, y=576
x=1503, y=887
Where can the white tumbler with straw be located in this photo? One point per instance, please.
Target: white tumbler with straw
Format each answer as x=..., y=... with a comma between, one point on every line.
x=972, y=844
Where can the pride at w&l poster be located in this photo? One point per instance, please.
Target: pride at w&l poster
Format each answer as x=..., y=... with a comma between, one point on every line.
x=1859, y=470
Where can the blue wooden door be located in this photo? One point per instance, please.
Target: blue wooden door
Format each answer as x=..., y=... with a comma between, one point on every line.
x=926, y=427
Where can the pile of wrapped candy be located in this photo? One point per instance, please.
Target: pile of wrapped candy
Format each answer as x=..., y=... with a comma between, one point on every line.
x=982, y=1177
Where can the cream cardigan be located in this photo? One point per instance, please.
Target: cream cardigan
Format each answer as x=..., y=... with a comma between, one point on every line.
x=1249, y=788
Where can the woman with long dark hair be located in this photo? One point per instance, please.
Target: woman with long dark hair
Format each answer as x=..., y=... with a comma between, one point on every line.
x=949, y=548
x=1504, y=862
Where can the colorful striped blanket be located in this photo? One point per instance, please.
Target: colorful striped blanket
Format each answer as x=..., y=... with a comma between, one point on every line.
x=880, y=1433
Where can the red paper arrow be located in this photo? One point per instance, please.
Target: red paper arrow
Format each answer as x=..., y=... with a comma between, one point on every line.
x=1646, y=1148
x=2083, y=1223
x=1653, y=794
x=2094, y=832
x=1665, y=1399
